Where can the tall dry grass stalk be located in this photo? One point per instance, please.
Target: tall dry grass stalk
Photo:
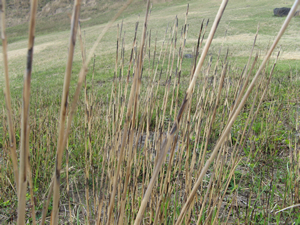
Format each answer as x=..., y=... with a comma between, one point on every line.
x=12, y=137
x=170, y=136
x=63, y=112
x=234, y=116
x=131, y=103
x=24, y=145
x=63, y=133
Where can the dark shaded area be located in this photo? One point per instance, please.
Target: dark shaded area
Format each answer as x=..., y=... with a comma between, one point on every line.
x=281, y=11
x=189, y=56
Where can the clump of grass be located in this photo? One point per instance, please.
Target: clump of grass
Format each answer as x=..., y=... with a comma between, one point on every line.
x=116, y=145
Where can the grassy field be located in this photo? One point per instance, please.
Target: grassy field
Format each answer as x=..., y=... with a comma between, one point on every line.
x=256, y=171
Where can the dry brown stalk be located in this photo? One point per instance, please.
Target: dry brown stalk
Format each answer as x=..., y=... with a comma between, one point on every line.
x=258, y=106
x=81, y=78
x=165, y=186
x=29, y=177
x=124, y=96
x=235, y=114
x=87, y=134
x=220, y=198
x=205, y=197
x=240, y=94
x=12, y=139
x=169, y=72
x=132, y=102
x=211, y=119
x=63, y=112
x=24, y=144
x=129, y=164
x=88, y=118
x=180, y=58
x=170, y=136
x=210, y=122
x=243, y=138
x=68, y=186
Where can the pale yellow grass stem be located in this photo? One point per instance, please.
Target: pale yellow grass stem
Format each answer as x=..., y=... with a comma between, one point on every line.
x=24, y=151
x=12, y=139
x=169, y=139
